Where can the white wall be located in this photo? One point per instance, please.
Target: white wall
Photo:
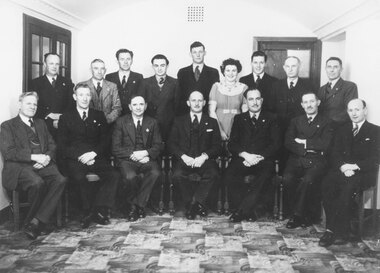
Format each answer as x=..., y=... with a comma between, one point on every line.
x=336, y=47
x=151, y=27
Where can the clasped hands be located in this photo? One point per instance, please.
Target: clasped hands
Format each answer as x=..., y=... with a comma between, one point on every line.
x=194, y=162
x=251, y=159
x=140, y=156
x=349, y=169
x=41, y=160
x=87, y=158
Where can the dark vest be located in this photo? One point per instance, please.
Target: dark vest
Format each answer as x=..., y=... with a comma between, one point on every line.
x=139, y=141
x=34, y=142
x=194, y=141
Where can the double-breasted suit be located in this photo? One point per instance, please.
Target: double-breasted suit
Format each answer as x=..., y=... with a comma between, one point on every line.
x=45, y=185
x=306, y=164
x=58, y=99
x=124, y=143
x=130, y=88
x=77, y=137
x=265, y=86
x=339, y=191
x=186, y=140
x=162, y=102
x=107, y=101
x=261, y=138
x=187, y=83
x=334, y=101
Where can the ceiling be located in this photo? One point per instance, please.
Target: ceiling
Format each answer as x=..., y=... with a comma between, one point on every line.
x=312, y=16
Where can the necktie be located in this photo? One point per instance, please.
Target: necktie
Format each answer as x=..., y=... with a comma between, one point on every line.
x=123, y=82
x=32, y=125
x=310, y=120
x=162, y=80
x=195, y=121
x=53, y=82
x=197, y=73
x=355, y=129
x=258, y=80
x=291, y=85
x=253, y=119
x=138, y=128
x=328, y=87
x=84, y=116
x=98, y=89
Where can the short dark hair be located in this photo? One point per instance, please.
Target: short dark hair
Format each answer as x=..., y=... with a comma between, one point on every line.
x=134, y=96
x=335, y=59
x=160, y=57
x=248, y=90
x=230, y=61
x=309, y=93
x=123, y=50
x=197, y=44
x=52, y=54
x=259, y=53
x=81, y=85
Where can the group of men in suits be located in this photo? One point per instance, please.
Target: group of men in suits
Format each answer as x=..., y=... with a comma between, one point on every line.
x=148, y=117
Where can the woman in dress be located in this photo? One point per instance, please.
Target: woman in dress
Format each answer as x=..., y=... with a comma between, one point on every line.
x=226, y=97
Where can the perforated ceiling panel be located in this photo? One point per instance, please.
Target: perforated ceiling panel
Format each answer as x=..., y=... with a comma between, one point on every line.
x=195, y=14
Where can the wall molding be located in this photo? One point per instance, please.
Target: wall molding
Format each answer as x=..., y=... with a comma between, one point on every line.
x=364, y=10
x=53, y=12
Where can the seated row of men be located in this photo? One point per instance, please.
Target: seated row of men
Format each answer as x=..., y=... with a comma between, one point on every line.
x=28, y=151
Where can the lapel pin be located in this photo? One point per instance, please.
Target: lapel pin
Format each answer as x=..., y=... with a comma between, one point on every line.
x=147, y=130
x=63, y=84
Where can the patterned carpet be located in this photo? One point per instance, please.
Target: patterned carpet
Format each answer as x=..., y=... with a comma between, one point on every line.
x=173, y=244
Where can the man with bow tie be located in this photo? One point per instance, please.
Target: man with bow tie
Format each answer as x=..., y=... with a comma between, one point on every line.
x=353, y=169
x=54, y=92
x=136, y=145
x=82, y=138
x=255, y=139
x=307, y=140
x=161, y=94
x=336, y=93
x=195, y=143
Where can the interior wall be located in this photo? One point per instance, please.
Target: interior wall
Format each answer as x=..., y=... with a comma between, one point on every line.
x=336, y=47
x=149, y=27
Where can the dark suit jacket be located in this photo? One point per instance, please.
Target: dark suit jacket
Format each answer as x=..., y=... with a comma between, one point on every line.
x=76, y=137
x=131, y=88
x=363, y=150
x=263, y=139
x=265, y=86
x=318, y=136
x=124, y=138
x=334, y=103
x=209, y=136
x=187, y=84
x=162, y=103
x=53, y=100
x=15, y=148
x=108, y=101
x=286, y=103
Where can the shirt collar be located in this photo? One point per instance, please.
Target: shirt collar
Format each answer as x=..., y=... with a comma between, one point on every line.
x=360, y=124
x=25, y=119
x=80, y=111
x=200, y=67
x=159, y=77
x=135, y=120
x=294, y=81
x=257, y=114
x=95, y=82
x=312, y=116
x=199, y=115
x=256, y=75
x=51, y=78
x=124, y=73
x=333, y=82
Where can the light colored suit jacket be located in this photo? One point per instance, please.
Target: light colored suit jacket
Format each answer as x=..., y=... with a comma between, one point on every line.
x=108, y=101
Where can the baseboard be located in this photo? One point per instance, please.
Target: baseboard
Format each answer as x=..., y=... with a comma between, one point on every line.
x=4, y=215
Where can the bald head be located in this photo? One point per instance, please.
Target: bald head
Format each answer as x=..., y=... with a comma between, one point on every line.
x=357, y=110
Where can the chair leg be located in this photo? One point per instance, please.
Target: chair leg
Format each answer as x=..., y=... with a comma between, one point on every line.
x=219, y=205
x=275, y=206
x=161, y=202
x=281, y=213
x=66, y=205
x=374, y=209
x=361, y=214
x=16, y=210
x=59, y=213
x=226, y=202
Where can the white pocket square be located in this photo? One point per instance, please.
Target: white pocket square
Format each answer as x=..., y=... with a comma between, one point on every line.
x=209, y=130
x=367, y=139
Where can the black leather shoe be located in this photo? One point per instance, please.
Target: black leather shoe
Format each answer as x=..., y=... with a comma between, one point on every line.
x=202, y=211
x=141, y=212
x=327, y=239
x=340, y=240
x=32, y=231
x=191, y=213
x=294, y=222
x=101, y=219
x=236, y=217
x=86, y=220
x=133, y=214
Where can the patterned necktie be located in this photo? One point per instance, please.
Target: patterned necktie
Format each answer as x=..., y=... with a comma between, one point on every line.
x=84, y=116
x=291, y=85
x=98, y=89
x=195, y=121
x=355, y=129
x=329, y=87
x=162, y=80
x=123, y=82
x=310, y=120
x=32, y=125
x=258, y=80
x=138, y=128
x=197, y=73
x=253, y=119
x=53, y=81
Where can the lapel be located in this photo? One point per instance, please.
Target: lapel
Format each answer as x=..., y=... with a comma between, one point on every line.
x=203, y=123
x=105, y=91
x=47, y=82
x=19, y=127
x=131, y=79
x=335, y=89
x=39, y=131
x=362, y=132
x=186, y=126
x=247, y=120
x=145, y=129
x=131, y=128
x=94, y=95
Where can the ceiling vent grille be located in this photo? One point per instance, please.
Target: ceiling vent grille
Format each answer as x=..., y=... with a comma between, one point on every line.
x=195, y=14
